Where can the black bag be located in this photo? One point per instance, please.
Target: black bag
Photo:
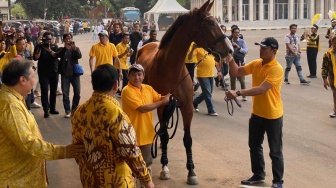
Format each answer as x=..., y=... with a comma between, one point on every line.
x=78, y=70
x=238, y=56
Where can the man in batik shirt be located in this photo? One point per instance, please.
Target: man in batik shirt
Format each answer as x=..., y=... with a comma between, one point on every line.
x=112, y=155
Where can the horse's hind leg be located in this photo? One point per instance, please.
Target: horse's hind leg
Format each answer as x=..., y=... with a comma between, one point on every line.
x=164, y=137
x=187, y=140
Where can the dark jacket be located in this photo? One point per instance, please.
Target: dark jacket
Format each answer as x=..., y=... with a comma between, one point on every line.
x=46, y=63
x=76, y=54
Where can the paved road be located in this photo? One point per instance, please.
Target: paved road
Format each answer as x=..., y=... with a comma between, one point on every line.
x=221, y=153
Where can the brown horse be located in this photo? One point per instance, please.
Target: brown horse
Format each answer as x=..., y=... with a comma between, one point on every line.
x=166, y=72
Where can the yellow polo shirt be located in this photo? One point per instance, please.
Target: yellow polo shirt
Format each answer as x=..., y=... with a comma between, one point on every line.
x=206, y=67
x=131, y=99
x=104, y=53
x=121, y=48
x=193, y=59
x=268, y=105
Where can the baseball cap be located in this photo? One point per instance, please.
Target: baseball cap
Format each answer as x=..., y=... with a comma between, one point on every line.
x=268, y=42
x=103, y=32
x=137, y=67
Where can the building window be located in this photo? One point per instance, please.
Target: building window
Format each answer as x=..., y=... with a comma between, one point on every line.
x=245, y=9
x=225, y=10
x=257, y=10
x=281, y=9
x=266, y=11
x=306, y=4
x=296, y=10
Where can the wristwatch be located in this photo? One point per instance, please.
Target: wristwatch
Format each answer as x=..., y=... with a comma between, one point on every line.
x=238, y=93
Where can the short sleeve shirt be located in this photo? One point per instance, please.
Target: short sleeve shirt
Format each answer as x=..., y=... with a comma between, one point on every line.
x=132, y=98
x=104, y=53
x=205, y=68
x=268, y=105
x=121, y=48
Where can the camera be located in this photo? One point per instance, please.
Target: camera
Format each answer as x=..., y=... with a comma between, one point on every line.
x=46, y=41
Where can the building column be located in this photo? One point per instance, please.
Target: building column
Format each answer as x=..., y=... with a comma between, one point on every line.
x=301, y=7
x=271, y=10
x=332, y=5
x=240, y=10
x=312, y=9
x=291, y=10
x=322, y=7
x=251, y=13
x=229, y=10
x=261, y=10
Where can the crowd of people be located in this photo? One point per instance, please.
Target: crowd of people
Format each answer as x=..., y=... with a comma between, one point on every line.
x=111, y=142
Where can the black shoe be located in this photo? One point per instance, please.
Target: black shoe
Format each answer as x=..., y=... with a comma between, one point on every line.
x=216, y=81
x=310, y=76
x=304, y=82
x=253, y=180
x=54, y=112
x=287, y=82
x=46, y=114
x=196, y=86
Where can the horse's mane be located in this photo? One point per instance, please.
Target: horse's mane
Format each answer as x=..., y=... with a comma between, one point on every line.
x=173, y=28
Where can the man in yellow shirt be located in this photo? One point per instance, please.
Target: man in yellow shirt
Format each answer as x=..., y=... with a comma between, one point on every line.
x=104, y=52
x=112, y=154
x=267, y=110
x=124, y=51
x=138, y=102
x=190, y=62
x=23, y=150
x=205, y=73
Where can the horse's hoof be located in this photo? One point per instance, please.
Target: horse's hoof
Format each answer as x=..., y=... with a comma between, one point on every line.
x=164, y=174
x=192, y=180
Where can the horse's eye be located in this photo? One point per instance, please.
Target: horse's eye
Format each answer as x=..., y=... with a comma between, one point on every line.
x=212, y=23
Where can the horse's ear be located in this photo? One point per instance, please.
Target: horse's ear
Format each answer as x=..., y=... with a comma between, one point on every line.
x=209, y=6
x=204, y=7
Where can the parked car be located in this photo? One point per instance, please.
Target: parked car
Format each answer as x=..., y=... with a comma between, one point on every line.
x=11, y=23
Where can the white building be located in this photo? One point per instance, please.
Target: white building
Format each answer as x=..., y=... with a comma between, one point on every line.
x=259, y=10
x=4, y=8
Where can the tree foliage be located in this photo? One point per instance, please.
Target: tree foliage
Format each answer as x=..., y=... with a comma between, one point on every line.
x=77, y=8
x=18, y=11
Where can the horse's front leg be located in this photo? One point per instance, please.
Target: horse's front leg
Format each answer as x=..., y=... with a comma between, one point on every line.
x=164, y=137
x=187, y=140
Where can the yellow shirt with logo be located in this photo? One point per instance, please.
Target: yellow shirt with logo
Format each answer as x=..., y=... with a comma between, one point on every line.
x=268, y=105
x=104, y=53
x=205, y=68
x=112, y=155
x=132, y=98
x=7, y=57
x=121, y=48
x=193, y=58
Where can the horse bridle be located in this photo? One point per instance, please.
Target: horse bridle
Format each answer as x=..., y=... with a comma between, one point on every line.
x=210, y=49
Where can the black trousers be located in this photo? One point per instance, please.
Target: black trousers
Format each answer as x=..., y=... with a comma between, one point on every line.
x=258, y=126
x=132, y=58
x=46, y=82
x=311, y=57
x=191, y=70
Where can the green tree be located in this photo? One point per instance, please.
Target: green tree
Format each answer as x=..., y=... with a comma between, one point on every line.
x=107, y=7
x=55, y=8
x=18, y=11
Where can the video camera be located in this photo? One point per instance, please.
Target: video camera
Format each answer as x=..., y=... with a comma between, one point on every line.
x=46, y=41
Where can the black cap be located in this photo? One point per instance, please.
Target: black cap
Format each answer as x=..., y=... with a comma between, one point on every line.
x=315, y=26
x=268, y=42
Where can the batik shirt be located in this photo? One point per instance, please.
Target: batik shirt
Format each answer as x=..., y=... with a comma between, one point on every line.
x=23, y=150
x=112, y=154
x=294, y=42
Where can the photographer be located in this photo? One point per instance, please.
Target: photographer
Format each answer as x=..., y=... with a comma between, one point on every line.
x=69, y=55
x=47, y=69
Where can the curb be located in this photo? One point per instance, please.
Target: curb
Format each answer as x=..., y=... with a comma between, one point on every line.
x=278, y=28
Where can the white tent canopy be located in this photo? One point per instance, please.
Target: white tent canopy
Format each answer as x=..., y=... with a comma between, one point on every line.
x=164, y=7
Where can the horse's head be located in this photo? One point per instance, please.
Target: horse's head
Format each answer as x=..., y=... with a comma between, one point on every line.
x=209, y=34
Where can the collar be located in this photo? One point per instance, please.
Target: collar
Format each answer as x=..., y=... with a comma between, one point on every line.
x=271, y=63
x=105, y=96
x=12, y=91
